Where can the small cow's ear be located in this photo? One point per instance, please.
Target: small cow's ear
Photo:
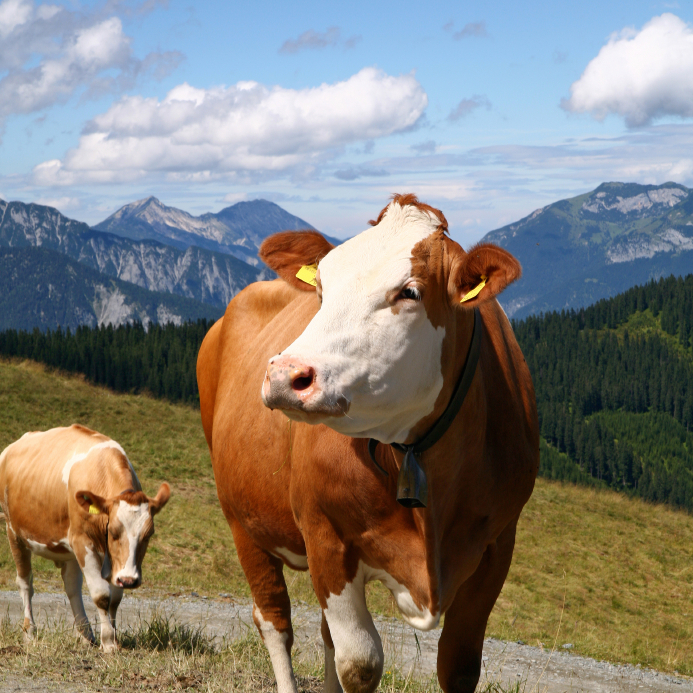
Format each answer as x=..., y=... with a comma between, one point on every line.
x=155, y=504
x=288, y=251
x=481, y=274
x=91, y=504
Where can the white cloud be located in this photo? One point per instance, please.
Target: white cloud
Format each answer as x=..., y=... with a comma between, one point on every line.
x=640, y=76
x=48, y=54
x=199, y=134
x=60, y=203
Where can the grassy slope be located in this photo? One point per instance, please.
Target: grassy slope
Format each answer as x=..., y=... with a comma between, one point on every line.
x=624, y=568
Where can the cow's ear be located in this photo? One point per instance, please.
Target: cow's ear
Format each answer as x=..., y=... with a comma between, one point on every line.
x=290, y=251
x=155, y=504
x=91, y=504
x=481, y=274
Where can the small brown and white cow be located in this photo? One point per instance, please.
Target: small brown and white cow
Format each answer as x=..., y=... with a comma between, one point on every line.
x=71, y=495
x=371, y=340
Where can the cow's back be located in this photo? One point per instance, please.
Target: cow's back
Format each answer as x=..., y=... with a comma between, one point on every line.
x=33, y=474
x=40, y=471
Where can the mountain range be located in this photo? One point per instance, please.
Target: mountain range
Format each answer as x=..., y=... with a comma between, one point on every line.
x=164, y=265
x=573, y=253
x=577, y=251
x=46, y=289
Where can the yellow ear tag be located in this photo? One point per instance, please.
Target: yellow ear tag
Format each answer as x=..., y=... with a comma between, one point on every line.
x=93, y=510
x=307, y=274
x=475, y=291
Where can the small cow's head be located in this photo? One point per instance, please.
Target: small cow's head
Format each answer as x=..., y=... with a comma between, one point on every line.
x=371, y=361
x=129, y=526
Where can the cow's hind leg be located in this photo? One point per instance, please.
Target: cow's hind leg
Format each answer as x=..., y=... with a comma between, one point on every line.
x=271, y=605
x=72, y=580
x=25, y=579
x=462, y=640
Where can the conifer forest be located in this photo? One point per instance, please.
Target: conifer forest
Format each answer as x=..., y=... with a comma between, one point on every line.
x=613, y=382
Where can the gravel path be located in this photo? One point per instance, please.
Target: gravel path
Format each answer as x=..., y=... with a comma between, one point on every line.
x=542, y=670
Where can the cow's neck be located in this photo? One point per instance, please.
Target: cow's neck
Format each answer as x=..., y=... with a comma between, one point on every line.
x=444, y=465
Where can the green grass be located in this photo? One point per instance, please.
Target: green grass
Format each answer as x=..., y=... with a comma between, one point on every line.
x=616, y=572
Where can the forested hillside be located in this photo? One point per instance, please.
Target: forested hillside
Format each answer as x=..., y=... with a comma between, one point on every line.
x=614, y=382
x=614, y=386
x=159, y=360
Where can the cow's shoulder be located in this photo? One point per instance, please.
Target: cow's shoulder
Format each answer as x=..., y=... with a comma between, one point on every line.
x=252, y=310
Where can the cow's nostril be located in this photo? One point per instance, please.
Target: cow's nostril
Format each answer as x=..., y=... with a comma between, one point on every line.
x=302, y=378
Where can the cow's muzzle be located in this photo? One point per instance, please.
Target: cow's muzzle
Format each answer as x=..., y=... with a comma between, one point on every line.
x=293, y=385
x=128, y=583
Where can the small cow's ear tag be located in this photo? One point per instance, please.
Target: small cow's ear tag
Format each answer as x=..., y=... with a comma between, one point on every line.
x=93, y=510
x=307, y=274
x=475, y=291
x=412, y=485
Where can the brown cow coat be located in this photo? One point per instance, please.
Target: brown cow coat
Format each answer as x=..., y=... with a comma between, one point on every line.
x=309, y=497
x=71, y=495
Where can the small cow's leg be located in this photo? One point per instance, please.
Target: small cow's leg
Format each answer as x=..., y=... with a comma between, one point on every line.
x=25, y=579
x=462, y=640
x=271, y=605
x=116, y=598
x=332, y=684
x=72, y=580
x=100, y=591
x=358, y=651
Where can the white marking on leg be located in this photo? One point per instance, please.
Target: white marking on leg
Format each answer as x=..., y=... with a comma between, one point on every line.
x=275, y=642
x=294, y=560
x=421, y=619
x=26, y=590
x=100, y=592
x=358, y=649
x=332, y=684
x=72, y=580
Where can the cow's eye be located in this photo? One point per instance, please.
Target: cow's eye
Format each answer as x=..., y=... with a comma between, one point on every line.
x=411, y=293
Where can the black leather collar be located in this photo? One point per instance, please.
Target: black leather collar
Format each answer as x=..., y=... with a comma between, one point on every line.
x=412, y=485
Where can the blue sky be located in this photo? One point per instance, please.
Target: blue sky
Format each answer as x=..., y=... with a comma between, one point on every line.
x=487, y=111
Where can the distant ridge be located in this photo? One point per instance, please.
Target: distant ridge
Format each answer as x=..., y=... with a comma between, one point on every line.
x=45, y=289
x=238, y=230
x=577, y=251
x=195, y=273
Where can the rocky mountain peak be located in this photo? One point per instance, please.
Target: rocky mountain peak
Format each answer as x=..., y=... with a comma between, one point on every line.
x=633, y=199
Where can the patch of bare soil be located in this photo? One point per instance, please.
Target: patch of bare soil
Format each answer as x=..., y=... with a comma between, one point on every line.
x=537, y=670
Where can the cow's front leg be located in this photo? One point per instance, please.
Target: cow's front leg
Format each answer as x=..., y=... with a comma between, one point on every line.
x=332, y=684
x=358, y=651
x=462, y=640
x=100, y=591
x=72, y=581
x=25, y=579
x=116, y=598
x=271, y=604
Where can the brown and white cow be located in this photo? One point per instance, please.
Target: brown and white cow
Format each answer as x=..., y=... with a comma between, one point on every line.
x=373, y=351
x=71, y=495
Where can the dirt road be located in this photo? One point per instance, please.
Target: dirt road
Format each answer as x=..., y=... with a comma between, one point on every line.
x=541, y=670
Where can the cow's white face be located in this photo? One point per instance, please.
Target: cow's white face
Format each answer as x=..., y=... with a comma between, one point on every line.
x=370, y=363
x=375, y=356
x=128, y=523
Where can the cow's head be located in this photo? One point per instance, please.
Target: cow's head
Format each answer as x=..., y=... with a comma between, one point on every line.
x=129, y=525
x=370, y=363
